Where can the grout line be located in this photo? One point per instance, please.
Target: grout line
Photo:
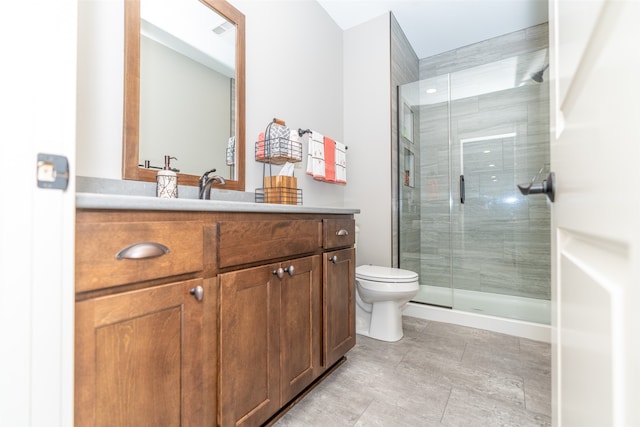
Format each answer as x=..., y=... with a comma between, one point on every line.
x=363, y=412
x=444, y=411
x=463, y=352
x=524, y=393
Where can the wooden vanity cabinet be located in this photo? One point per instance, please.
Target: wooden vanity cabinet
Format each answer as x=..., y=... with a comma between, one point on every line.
x=240, y=315
x=270, y=338
x=144, y=321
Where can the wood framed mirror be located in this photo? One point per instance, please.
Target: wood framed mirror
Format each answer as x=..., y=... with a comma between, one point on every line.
x=148, y=137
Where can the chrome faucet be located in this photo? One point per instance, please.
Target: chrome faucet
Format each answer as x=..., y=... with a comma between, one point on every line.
x=206, y=182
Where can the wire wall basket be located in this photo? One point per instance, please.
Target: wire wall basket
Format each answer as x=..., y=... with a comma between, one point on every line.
x=278, y=151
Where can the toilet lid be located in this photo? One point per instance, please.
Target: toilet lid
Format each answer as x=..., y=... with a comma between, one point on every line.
x=376, y=273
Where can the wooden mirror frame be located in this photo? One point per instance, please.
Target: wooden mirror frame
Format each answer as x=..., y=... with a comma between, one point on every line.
x=131, y=125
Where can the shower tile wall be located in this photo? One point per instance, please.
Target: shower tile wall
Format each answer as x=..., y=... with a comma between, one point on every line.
x=506, y=46
x=501, y=239
x=404, y=69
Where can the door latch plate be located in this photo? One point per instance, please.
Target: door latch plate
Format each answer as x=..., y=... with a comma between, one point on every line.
x=52, y=171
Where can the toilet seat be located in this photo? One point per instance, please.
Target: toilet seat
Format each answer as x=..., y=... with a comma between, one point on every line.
x=375, y=273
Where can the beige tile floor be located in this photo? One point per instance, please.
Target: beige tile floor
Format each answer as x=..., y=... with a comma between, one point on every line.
x=438, y=375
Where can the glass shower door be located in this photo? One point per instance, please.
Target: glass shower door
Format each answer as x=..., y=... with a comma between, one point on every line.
x=500, y=239
x=485, y=218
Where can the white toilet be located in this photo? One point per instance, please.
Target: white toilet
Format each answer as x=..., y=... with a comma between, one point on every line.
x=381, y=294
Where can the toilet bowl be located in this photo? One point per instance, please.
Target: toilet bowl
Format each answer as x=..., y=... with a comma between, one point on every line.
x=381, y=294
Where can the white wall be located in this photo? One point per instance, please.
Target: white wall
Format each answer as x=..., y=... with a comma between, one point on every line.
x=294, y=72
x=367, y=117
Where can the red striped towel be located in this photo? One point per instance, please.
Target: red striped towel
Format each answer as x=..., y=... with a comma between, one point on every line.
x=329, y=159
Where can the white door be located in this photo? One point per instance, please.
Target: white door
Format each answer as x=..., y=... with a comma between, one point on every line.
x=37, y=115
x=595, y=153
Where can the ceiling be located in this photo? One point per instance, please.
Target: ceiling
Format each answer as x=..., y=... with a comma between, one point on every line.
x=436, y=26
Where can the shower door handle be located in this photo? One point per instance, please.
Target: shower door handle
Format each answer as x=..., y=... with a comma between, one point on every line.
x=547, y=186
x=462, y=196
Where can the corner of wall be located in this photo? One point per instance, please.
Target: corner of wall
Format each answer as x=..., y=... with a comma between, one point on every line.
x=367, y=112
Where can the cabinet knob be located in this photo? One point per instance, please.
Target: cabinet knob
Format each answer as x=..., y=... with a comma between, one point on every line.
x=334, y=259
x=197, y=292
x=291, y=270
x=279, y=272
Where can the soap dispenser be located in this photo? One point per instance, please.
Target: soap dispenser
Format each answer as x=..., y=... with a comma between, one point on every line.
x=167, y=181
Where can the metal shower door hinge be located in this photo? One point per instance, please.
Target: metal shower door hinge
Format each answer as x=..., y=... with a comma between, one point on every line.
x=52, y=171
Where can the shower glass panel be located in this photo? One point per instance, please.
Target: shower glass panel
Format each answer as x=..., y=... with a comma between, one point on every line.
x=477, y=243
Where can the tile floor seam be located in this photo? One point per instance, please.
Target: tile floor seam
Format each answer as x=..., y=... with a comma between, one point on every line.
x=444, y=410
x=464, y=350
x=363, y=412
x=524, y=393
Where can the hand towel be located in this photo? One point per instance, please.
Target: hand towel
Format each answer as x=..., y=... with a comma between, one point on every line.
x=309, y=170
x=278, y=140
x=341, y=163
x=260, y=147
x=329, y=159
x=231, y=151
x=315, y=158
x=294, y=149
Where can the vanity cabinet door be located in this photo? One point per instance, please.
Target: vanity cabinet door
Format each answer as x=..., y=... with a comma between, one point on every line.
x=270, y=339
x=140, y=357
x=339, y=304
x=300, y=325
x=249, y=346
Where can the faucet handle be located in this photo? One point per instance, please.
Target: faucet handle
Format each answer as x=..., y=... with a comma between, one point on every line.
x=204, y=177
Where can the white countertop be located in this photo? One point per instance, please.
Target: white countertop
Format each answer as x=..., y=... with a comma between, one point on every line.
x=116, y=201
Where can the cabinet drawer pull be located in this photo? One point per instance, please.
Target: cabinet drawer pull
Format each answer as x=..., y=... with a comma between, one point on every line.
x=143, y=250
x=342, y=232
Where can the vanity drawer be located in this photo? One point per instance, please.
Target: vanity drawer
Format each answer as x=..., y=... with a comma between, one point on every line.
x=244, y=242
x=98, y=244
x=339, y=233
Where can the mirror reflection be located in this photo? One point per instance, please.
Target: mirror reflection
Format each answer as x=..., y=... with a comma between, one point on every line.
x=184, y=90
x=187, y=82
